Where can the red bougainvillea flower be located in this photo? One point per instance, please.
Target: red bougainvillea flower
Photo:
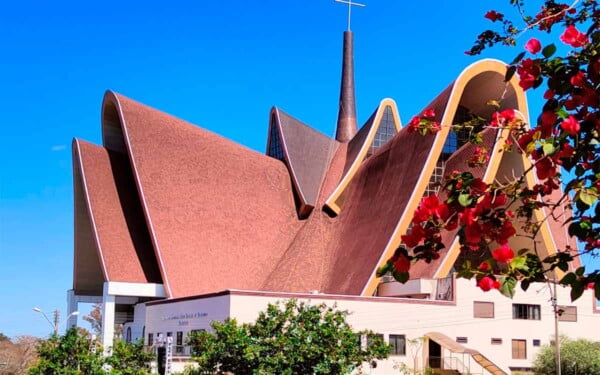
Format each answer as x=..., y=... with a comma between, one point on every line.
x=402, y=264
x=503, y=118
x=533, y=46
x=590, y=286
x=503, y=254
x=571, y=125
x=484, y=267
x=547, y=121
x=430, y=113
x=578, y=80
x=478, y=186
x=528, y=71
x=414, y=124
x=506, y=231
x=544, y=169
x=574, y=37
x=487, y=283
x=494, y=16
x=549, y=94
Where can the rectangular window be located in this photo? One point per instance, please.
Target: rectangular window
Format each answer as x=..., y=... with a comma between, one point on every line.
x=398, y=343
x=150, y=339
x=179, y=343
x=519, y=349
x=483, y=309
x=567, y=313
x=528, y=312
x=496, y=341
x=462, y=339
x=536, y=342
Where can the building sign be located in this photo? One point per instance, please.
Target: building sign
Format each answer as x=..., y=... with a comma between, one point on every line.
x=184, y=316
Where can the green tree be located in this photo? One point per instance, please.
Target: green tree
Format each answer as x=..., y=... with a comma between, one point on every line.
x=287, y=338
x=129, y=359
x=71, y=354
x=576, y=357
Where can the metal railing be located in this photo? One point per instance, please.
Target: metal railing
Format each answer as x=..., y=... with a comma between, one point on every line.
x=451, y=363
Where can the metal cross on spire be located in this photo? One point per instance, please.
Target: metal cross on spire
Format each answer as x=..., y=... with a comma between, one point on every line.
x=350, y=4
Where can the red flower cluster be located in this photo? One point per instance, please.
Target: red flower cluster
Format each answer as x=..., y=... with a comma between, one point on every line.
x=494, y=16
x=402, y=263
x=529, y=70
x=479, y=158
x=425, y=123
x=574, y=37
x=505, y=118
x=571, y=125
x=487, y=283
x=503, y=254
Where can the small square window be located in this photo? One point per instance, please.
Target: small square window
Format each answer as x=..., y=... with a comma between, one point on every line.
x=462, y=339
x=398, y=343
x=496, y=341
x=536, y=342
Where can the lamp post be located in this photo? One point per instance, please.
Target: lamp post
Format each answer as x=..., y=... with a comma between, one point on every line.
x=54, y=325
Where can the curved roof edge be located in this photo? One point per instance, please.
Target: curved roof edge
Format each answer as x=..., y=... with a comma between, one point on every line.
x=332, y=201
x=81, y=191
x=451, y=107
x=112, y=98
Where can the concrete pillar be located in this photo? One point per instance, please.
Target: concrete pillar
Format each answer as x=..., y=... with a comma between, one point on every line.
x=72, y=306
x=108, y=320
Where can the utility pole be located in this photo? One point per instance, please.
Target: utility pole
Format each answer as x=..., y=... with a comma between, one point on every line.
x=56, y=321
x=556, y=337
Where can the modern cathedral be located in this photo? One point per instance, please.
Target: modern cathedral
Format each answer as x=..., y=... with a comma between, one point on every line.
x=176, y=227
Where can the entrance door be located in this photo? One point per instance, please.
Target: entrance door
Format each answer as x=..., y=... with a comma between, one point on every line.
x=161, y=359
x=435, y=354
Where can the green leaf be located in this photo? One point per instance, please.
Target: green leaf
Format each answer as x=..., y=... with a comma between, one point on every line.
x=563, y=266
x=548, y=148
x=562, y=113
x=523, y=251
x=401, y=277
x=518, y=58
x=519, y=263
x=597, y=290
x=576, y=291
x=508, y=286
x=588, y=197
x=549, y=50
x=465, y=200
x=510, y=72
x=525, y=285
x=569, y=279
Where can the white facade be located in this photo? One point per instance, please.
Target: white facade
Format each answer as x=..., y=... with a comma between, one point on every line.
x=411, y=317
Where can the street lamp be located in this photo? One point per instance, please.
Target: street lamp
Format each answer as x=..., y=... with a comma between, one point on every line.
x=56, y=318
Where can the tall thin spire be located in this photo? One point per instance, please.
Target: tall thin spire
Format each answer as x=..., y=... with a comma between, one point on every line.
x=346, y=123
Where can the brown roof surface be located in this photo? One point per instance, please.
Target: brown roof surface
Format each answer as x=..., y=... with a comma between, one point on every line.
x=308, y=153
x=220, y=214
x=118, y=229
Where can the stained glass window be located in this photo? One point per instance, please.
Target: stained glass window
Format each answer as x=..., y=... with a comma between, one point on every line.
x=275, y=147
x=387, y=129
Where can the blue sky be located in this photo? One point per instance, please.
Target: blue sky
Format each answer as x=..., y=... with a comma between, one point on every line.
x=220, y=65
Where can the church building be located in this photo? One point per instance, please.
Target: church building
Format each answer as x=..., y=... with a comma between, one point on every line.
x=176, y=227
